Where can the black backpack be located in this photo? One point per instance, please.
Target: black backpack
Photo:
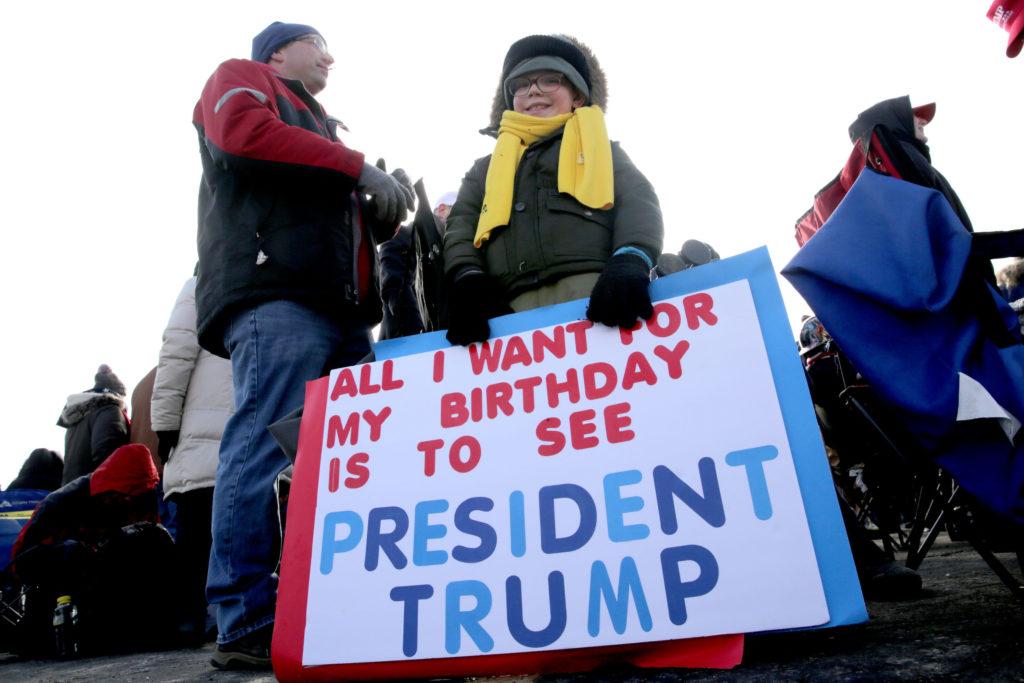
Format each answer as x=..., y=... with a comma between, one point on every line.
x=429, y=245
x=123, y=589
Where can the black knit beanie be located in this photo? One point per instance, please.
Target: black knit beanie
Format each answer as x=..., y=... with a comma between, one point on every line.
x=108, y=382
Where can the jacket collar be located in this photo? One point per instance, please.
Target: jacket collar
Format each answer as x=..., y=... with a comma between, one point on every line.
x=80, y=405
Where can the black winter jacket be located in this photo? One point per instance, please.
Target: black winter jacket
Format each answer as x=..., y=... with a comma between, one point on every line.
x=96, y=426
x=278, y=215
x=551, y=235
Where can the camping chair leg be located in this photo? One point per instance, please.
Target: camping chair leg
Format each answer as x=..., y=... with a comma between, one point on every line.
x=917, y=554
x=921, y=518
x=1009, y=580
x=919, y=548
x=896, y=537
x=859, y=407
x=864, y=513
x=8, y=613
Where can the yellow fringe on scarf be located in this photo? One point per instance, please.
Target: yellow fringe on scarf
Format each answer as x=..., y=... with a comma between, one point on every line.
x=584, y=163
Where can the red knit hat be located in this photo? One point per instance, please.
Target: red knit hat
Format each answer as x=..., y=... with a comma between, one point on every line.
x=1009, y=14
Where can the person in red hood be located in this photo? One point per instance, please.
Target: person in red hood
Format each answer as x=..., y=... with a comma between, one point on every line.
x=120, y=492
x=97, y=540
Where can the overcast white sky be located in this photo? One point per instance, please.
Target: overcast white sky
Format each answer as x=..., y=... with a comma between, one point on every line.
x=737, y=112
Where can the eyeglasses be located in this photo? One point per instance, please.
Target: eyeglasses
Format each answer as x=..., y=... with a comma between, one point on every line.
x=316, y=41
x=546, y=83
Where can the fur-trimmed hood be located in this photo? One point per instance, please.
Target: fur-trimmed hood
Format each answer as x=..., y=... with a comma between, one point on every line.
x=1011, y=281
x=80, y=405
x=598, y=86
x=1011, y=275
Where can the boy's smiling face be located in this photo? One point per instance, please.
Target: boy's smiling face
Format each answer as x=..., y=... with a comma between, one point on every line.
x=562, y=100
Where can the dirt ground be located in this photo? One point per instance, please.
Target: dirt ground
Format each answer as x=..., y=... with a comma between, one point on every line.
x=967, y=625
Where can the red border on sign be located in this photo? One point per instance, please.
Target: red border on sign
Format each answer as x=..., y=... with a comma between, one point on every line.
x=712, y=652
x=293, y=589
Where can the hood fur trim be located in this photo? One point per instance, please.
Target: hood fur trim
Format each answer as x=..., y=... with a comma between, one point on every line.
x=1012, y=275
x=598, y=87
x=80, y=405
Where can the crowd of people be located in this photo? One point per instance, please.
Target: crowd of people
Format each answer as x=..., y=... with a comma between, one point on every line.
x=304, y=247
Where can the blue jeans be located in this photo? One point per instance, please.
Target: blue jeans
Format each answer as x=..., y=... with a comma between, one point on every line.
x=275, y=347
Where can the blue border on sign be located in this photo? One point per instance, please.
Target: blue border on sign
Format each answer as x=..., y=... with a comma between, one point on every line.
x=832, y=550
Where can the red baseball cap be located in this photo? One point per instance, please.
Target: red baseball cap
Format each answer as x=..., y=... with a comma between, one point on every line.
x=1009, y=14
x=926, y=112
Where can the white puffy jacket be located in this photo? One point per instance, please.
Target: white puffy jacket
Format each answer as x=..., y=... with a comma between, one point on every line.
x=192, y=394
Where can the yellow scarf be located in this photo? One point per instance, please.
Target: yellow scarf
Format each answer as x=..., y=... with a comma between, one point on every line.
x=584, y=163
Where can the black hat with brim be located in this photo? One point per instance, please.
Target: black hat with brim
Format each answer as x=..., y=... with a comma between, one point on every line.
x=553, y=46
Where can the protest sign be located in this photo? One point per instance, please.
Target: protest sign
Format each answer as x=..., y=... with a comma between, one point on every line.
x=563, y=486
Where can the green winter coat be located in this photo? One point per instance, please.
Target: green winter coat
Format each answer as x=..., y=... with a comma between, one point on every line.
x=551, y=235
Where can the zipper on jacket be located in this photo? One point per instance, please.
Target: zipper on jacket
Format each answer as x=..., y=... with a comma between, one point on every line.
x=536, y=222
x=357, y=239
x=261, y=256
x=548, y=143
x=518, y=267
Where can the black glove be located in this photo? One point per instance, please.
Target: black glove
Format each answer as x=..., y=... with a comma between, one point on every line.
x=697, y=253
x=404, y=180
x=474, y=297
x=390, y=198
x=165, y=442
x=668, y=264
x=621, y=294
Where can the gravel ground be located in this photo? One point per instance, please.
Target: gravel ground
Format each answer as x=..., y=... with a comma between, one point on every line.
x=967, y=625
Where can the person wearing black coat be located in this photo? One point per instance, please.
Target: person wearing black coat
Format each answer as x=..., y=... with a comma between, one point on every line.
x=540, y=222
x=901, y=129
x=96, y=424
x=97, y=541
x=42, y=471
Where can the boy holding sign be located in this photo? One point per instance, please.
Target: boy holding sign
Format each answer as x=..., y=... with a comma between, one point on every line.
x=556, y=212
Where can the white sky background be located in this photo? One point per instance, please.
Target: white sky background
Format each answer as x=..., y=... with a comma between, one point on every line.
x=737, y=112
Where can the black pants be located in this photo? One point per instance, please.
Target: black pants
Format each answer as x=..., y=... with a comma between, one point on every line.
x=195, y=515
x=866, y=553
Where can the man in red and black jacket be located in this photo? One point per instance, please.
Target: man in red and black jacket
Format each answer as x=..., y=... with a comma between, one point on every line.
x=287, y=290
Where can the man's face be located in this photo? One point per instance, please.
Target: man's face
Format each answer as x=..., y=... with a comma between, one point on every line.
x=442, y=212
x=544, y=94
x=305, y=59
x=919, y=125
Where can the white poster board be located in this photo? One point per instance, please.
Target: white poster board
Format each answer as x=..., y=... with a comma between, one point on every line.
x=570, y=486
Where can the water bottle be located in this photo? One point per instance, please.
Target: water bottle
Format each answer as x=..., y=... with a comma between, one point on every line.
x=65, y=627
